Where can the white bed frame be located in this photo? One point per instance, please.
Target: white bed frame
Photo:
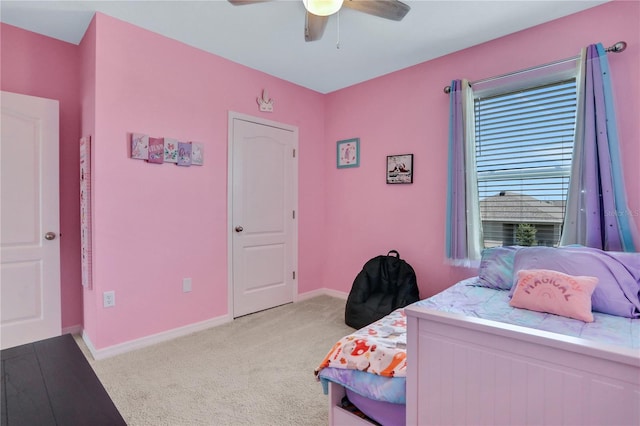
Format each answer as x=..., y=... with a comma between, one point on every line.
x=471, y=371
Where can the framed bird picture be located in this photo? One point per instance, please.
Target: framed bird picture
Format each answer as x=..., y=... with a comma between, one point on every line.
x=400, y=168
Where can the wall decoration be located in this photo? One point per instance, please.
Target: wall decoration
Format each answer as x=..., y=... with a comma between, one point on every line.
x=166, y=150
x=197, y=153
x=85, y=210
x=184, y=153
x=139, y=146
x=348, y=153
x=156, y=150
x=400, y=168
x=264, y=102
x=170, y=150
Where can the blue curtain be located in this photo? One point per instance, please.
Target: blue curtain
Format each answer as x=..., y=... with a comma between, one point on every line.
x=597, y=213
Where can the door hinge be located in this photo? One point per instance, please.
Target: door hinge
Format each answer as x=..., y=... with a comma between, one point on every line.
x=293, y=214
x=294, y=153
x=294, y=275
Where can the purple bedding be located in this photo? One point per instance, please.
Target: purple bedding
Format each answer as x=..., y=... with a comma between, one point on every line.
x=468, y=297
x=385, y=413
x=619, y=297
x=618, y=289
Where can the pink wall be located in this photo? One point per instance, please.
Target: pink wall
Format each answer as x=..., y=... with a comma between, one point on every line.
x=407, y=112
x=124, y=79
x=155, y=224
x=87, y=78
x=46, y=67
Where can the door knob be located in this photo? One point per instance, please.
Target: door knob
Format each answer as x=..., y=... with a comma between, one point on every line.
x=50, y=236
x=239, y=229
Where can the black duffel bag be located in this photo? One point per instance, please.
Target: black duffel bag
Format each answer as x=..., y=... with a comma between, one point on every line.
x=385, y=284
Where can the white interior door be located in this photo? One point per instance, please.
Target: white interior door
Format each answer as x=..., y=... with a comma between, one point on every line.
x=263, y=225
x=30, y=248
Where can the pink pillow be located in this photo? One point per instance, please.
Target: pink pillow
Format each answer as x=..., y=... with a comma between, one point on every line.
x=549, y=291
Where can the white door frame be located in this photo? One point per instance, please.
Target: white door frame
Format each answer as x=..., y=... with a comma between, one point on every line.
x=233, y=116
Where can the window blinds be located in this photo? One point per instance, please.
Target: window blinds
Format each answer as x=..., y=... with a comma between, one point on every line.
x=524, y=145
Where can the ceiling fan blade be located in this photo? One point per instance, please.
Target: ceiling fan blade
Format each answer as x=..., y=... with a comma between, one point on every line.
x=388, y=9
x=314, y=26
x=245, y=2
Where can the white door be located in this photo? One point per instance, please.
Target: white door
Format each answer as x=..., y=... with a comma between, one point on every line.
x=30, y=269
x=263, y=202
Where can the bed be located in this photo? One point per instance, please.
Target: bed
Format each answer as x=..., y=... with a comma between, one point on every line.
x=472, y=358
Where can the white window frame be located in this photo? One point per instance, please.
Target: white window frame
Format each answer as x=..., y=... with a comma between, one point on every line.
x=524, y=80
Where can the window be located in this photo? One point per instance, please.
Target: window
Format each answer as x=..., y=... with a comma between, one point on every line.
x=524, y=144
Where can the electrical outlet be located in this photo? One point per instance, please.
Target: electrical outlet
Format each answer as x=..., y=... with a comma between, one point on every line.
x=109, y=299
x=186, y=285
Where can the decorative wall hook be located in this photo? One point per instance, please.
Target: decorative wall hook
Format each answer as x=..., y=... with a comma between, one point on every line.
x=265, y=103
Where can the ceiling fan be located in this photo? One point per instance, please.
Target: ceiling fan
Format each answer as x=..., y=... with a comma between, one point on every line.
x=318, y=12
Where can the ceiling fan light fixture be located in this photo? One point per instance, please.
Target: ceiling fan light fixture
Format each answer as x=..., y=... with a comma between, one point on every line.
x=322, y=7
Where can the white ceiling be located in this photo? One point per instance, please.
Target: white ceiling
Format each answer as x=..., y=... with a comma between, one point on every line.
x=270, y=36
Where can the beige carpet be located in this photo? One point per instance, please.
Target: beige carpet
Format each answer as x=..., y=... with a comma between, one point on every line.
x=256, y=370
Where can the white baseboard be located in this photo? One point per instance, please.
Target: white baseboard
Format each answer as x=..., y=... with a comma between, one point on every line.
x=74, y=329
x=322, y=292
x=153, y=339
x=179, y=332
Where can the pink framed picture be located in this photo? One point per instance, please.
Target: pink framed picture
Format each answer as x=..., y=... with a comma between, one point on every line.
x=348, y=153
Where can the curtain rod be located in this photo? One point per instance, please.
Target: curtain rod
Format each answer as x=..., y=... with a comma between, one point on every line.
x=616, y=48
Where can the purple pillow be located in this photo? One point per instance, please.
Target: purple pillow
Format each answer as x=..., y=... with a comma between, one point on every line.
x=630, y=260
x=618, y=290
x=496, y=267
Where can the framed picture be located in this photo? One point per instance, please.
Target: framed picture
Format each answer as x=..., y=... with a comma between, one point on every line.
x=348, y=154
x=400, y=168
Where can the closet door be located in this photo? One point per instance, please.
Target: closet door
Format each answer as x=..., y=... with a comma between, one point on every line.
x=264, y=236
